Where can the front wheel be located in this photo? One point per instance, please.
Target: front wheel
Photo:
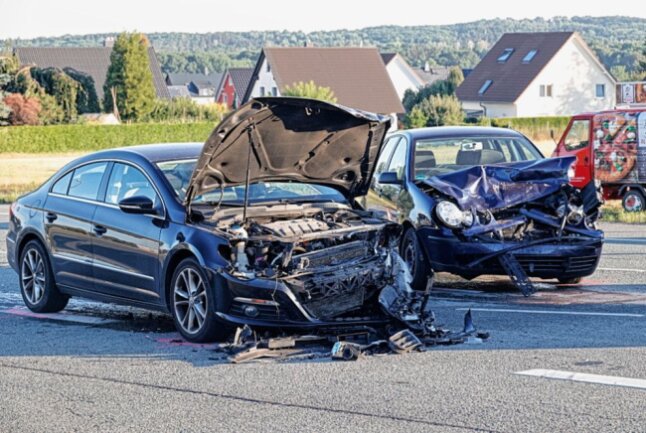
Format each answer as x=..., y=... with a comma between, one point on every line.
x=411, y=252
x=633, y=201
x=193, y=304
x=37, y=285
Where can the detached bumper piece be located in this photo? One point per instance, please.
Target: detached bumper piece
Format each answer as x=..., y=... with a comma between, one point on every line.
x=516, y=273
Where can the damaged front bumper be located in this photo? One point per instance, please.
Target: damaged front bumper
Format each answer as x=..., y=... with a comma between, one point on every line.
x=562, y=257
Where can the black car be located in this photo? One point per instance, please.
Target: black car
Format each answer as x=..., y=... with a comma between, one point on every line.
x=476, y=200
x=258, y=226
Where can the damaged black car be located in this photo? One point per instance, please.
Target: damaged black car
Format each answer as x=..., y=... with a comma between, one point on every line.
x=258, y=226
x=476, y=201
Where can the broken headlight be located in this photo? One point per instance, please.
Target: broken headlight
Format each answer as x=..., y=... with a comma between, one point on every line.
x=452, y=216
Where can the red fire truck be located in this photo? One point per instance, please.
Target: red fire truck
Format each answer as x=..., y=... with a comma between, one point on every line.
x=609, y=146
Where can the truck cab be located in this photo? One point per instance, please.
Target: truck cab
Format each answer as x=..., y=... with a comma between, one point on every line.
x=610, y=147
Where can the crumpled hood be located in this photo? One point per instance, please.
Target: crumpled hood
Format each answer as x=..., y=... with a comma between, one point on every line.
x=499, y=186
x=292, y=139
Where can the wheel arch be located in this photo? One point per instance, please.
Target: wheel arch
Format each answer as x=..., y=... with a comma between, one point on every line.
x=174, y=258
x=25, y=238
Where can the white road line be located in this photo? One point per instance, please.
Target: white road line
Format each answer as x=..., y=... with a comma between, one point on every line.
x=621, y=269
x=64, y=317
x=585, y=377
x=567, y=313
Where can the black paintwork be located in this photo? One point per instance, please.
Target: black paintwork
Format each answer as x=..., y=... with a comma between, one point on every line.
x=445, y=251
x=100, y=252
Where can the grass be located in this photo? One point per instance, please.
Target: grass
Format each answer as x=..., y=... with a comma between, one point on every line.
x=613, y=212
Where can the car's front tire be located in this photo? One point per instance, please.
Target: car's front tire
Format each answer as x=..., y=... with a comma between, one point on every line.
x=192, y=304
x=37, y=284
x=411, y=252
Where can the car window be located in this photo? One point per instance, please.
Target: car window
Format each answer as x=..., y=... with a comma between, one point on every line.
x=127, y=181
x=386, y=151
x=398, y=161
x=578, y=135
x=443, y=155
x=86, y=181
x=61, y=185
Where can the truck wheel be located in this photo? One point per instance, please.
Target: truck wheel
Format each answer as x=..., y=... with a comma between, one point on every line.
x=633, y=201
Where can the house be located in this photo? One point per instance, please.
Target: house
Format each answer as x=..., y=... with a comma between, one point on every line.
x=430, y=74
x=357, y=76
x=94, y=61
x=200, y=88
x=233, y=86
x=537, y=74
x=401, y=74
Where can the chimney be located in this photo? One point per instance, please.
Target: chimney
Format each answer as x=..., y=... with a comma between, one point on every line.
x=308, y=44
x=108, y=41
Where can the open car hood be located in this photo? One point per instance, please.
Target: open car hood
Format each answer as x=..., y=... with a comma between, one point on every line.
x=499, y=186
x=291, y=139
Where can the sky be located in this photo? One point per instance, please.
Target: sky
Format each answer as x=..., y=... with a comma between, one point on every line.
x=30, y=18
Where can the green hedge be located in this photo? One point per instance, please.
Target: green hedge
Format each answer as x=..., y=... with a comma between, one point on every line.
x=78, y=138
x=534, y=127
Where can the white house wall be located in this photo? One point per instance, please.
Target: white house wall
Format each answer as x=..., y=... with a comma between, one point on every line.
x=266, y=80
x=573, y=74
x=491, y=109
x=403, y=77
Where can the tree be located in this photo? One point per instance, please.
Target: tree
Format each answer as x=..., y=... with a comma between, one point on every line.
x=8, y=68
x=309, y=90
x=416, y=118
x=24, y=111
x=61, y=86
x=455, y=78
x=130, y=76
x=87, y=100
x=441, y=110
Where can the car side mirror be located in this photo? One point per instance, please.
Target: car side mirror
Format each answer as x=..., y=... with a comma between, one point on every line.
x=138, y=204
x=389, y=178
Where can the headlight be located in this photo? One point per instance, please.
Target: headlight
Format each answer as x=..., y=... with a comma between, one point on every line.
x=451, y=215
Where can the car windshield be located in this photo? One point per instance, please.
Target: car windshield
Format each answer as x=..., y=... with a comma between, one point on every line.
x=444, y=155
x=179, y=175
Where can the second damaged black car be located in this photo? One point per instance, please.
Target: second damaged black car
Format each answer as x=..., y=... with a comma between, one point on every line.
x=258, y=226
x=477, y=201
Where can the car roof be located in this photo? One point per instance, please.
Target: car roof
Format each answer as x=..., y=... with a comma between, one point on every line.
x=452, y=131
x=157, y=152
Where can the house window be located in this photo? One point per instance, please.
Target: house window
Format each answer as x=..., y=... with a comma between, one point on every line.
x=274, y=91
x=505, y=55
x=484, y=87
x=529, y=56
x=225, y=98
x=600, y=90
x=262, y=91
x=545, y=91
x=268, y=67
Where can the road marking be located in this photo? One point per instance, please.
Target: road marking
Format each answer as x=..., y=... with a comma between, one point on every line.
x=585, y=377
x=621, y=269
x=63, y=317
x=567, y=313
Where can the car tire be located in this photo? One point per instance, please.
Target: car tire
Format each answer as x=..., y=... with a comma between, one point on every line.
x=570, y=280
x=37, y=284
x=633, y=201
x=411, y=252
x=192, y=301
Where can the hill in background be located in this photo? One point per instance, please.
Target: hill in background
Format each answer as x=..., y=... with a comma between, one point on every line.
x=618, y=41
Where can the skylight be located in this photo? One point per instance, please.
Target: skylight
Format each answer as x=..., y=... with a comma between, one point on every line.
x=505, y=55
x=484, y=87
x=529, y=56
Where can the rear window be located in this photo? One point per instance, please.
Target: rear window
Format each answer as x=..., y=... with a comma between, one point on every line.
x=86, y=181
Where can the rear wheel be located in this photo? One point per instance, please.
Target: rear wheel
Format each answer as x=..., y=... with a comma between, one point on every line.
x=633, y=201
x=193, y=304
x=37, y=285
x=411, y=252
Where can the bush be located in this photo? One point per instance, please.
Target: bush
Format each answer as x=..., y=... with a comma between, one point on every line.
x=24, y=111
x=441, y=110
x=536, y=128
x=87, y=100
x=69, y=138
x=185, y=110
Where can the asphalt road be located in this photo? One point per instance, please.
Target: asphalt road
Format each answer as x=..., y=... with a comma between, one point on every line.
x=126, y=370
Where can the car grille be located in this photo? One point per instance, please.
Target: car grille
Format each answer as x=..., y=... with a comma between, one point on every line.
x=265, y=312
x=545, y=264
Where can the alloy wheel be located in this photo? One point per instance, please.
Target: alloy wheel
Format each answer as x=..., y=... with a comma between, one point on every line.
x=189, y=297
x=410, y=254
x=33, y=276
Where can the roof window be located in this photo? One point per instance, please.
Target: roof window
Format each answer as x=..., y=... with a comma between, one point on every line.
x=484, y=87
x=529, y=56
x=505, y=55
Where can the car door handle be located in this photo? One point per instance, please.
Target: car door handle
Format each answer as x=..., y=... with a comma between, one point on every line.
x=51, y=216
x=99, y=230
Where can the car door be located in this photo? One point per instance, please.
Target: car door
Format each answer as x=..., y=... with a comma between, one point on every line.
x=126, y=246
x=389, y=196
x=373, y=199
x=69, y=210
